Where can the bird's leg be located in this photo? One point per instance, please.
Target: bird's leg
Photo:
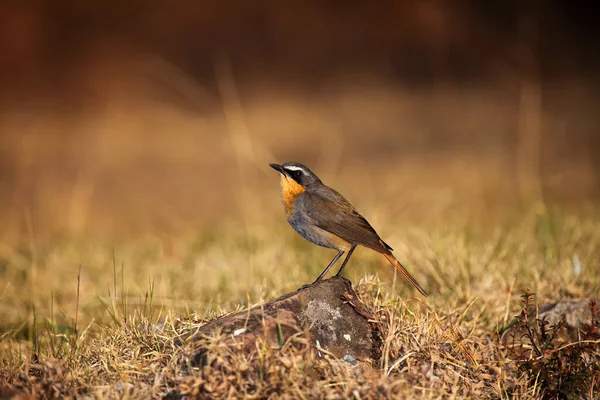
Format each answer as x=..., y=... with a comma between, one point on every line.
x=337, y=257
x=346, y=260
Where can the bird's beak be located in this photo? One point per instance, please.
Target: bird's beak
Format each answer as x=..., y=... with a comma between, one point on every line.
x=278, y=168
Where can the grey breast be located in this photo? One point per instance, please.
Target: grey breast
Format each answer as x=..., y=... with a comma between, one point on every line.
x=306, y=226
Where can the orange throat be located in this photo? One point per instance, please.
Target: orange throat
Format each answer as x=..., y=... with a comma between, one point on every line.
x=289, y=190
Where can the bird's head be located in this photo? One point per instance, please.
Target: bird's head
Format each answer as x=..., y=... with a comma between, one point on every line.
x=295, y=179
x=295, y=173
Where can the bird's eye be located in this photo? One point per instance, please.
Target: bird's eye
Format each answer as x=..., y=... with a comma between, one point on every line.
x=297, y=174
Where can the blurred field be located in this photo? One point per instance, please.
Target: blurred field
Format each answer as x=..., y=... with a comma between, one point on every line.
x=478, y=164
x=173, y=216
x=154, y=178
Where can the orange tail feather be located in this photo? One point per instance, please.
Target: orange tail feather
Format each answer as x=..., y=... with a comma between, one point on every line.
x=405, y=273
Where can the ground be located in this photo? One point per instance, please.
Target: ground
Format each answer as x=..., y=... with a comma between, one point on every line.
x=95, y=318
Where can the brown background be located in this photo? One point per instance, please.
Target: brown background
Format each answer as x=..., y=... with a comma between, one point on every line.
x=140, y=116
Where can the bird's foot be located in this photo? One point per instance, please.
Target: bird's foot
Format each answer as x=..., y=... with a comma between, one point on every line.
x=305, y=286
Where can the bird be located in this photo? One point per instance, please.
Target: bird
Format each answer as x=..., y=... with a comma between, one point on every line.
x=324, y=217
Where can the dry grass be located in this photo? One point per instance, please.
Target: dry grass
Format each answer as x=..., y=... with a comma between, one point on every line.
x=157, y=219
x=443, y=347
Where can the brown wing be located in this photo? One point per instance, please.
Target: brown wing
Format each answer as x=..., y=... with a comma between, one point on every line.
x=332, y=212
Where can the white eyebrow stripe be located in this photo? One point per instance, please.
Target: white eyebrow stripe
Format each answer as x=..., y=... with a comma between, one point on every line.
x=294, y=168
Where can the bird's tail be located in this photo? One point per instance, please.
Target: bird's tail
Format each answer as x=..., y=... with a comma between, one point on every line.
x=403, y=271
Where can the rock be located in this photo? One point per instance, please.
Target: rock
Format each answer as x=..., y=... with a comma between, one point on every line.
x=576, y=312
x=330, y=312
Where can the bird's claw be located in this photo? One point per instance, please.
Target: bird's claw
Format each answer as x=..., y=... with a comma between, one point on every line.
x=305, y=286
